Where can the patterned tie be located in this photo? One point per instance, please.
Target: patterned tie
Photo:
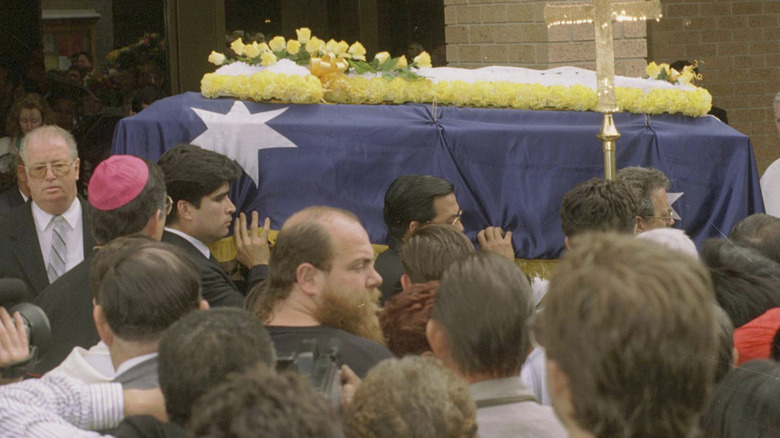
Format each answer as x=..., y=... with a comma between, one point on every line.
x=59, y=252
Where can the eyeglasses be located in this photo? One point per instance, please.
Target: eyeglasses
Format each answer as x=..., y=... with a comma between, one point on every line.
x=168, y=205
x=457, y=218
x=58, y=168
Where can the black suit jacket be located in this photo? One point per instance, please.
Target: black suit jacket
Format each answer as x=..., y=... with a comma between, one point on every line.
x=68, y=304
x=10, y=198
x=216, y=287
x=22, y=256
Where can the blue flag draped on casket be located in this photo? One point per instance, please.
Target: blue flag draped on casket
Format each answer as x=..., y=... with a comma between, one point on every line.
x=510, y=168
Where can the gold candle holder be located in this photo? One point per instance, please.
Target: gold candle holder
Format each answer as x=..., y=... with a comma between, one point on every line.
x=609, y=136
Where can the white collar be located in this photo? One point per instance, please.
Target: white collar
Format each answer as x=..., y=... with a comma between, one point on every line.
x=43, y=220
x=200, y=246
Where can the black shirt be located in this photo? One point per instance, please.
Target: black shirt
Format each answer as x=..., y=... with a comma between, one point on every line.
x=358, y=353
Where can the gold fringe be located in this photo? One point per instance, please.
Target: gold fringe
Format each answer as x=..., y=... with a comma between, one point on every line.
x=225, y=250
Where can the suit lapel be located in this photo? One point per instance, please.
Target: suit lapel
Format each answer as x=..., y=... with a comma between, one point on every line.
x=27, y=249
x=86, y=223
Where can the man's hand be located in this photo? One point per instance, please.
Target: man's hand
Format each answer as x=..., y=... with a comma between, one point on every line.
x=494, y=240
x=13, y=339
x=252, y=249
x=349, y=384
x=145, y=402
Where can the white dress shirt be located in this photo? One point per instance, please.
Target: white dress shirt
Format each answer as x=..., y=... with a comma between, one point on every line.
x=195, y=242
x=74, y=237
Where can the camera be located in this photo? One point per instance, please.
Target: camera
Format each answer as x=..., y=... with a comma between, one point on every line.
x=36, y=325
x=323, y=370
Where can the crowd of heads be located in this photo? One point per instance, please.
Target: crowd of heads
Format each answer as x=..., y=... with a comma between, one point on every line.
x=640, y=335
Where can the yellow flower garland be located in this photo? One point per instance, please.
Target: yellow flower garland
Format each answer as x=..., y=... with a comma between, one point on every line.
x=263, y=86
x=360, y=90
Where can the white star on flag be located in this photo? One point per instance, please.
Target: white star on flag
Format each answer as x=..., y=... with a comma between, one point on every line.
x=672, y=198
x=239, y=135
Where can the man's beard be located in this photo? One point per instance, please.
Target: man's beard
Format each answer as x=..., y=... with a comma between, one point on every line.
x=353, y=313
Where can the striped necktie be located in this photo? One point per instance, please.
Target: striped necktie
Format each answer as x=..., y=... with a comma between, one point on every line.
x=58, y=254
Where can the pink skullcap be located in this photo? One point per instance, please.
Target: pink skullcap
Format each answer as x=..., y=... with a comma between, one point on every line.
x=117, y=181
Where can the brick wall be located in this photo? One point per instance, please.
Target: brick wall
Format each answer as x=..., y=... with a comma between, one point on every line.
x=737, y=40
x=488, y=32
x=739, y=44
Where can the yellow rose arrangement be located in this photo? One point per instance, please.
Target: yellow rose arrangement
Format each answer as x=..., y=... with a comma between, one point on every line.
x=663, y=72
x=322, y=58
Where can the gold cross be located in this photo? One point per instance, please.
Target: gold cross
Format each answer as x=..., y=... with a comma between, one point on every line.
x=601, y=13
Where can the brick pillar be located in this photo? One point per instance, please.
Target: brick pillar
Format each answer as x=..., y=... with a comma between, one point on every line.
x=513, y=32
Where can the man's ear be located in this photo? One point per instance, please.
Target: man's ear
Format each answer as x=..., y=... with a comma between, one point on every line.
x=406, y=281
x=308, y=278
x=640, y=225
x=21, y=175
x=437, y=339
x=184, y=209
x=413, y=225
x=103, y=329
x=76, y=168
x=151, y=227
x=566, y=243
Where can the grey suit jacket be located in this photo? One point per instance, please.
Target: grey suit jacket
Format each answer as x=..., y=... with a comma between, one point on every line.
x=21, y=250
x=526, y=419
x=142, y=375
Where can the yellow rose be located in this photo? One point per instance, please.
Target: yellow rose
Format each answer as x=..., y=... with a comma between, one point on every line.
x=315, y=45
x=382, y=57
x=651, y=70
x=267, y=58
x=304, y=34
x=216, y=58
x=401, y=62
x=277, y=44
x=422, y=60
x=252, y=50
x=293, y=47
x=685, y=78
x=341, y=47
x=357, y=51
x=264, y=47
x=673, y=75
x=238, y=47
x=330, y=45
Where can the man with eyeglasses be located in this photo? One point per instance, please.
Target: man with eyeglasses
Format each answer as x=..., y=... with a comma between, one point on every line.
x=49, y=235
x=414, y=200
x=128, y=196
x=653, y=207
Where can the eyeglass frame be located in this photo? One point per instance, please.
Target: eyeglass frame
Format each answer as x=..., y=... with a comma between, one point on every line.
x=35, y=171
x=168, y=204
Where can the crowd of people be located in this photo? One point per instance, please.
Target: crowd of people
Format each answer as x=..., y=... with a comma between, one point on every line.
x=85, y=100
x=636, y=334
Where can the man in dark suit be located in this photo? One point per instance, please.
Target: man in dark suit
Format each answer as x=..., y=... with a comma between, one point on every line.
x=198, y=181
x=47, y=237
x=128, y=196
x=18, y=192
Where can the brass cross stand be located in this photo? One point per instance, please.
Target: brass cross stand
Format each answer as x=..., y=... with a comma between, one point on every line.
x=601, y=13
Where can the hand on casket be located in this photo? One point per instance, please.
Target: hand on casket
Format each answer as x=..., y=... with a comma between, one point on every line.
x=494, y=240
x=253, y=249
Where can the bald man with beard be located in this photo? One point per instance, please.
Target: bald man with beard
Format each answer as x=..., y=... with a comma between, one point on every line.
x=322, y=285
